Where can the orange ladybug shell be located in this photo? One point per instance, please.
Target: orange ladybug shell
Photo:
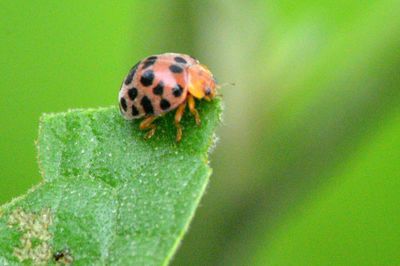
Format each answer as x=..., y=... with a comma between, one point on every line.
x=155, y=85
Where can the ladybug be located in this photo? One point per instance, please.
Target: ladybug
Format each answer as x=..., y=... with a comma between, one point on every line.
x=162, y=83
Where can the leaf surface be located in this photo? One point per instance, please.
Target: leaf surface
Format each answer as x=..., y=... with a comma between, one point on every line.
x=108, y=196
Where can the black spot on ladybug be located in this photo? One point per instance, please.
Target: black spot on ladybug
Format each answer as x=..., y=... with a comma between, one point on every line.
x=149, y=61
x=146, y=64
x=179, y=59
x=164, y=104
x=132, y=93
x=159, y=89
x=175, y=69
x=208, y=91
x=135, y=111
x=147, y=78
x=131, y=74
x=177, y=90
x=147, y=106
x=123, y=104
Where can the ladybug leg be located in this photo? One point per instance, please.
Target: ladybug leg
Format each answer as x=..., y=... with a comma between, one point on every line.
x=178, y=117
x=147, y=124
x=192, y=109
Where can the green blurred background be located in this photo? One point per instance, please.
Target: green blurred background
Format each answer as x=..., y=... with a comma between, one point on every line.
x=307, y=170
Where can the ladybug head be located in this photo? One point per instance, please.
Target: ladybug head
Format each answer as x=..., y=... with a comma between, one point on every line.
x=201, y=82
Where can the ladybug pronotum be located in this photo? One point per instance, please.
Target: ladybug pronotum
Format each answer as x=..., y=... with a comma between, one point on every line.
x=162, y=83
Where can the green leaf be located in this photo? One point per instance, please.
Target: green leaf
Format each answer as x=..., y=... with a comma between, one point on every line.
x=108, y=196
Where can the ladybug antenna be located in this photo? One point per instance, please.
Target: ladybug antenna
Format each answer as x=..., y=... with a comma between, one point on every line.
x=226, y=84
